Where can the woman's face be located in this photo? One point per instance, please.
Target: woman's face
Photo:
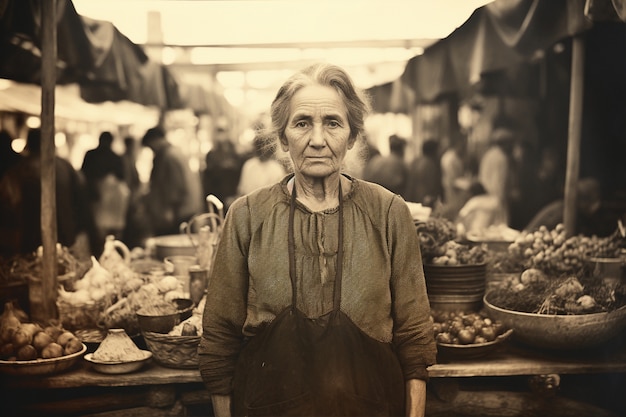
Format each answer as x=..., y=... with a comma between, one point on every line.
x=317, y=135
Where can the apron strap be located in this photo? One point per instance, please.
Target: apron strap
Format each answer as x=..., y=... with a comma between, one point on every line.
x=292, y=249
x=292, y=252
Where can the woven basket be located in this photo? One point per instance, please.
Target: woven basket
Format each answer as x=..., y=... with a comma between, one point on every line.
x=173, y=351
x=81, y=316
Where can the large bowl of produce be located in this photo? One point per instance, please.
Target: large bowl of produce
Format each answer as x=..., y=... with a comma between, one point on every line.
x=467, y=335
x=564, y=312
x=28, y=348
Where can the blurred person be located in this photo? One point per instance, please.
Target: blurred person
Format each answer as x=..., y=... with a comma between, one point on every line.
x=424, y=176
x=453, y=169
x=20, y=197
x=480, y=211
x=455, y=179
x=495, y=171
x=135, y=229
x=261, y=169
x=107, y=189
x=129, y=164
x=175, y=192
x=592, y=217
x=317, y=302
x=223, y=167
x=548, y=183
x=8, y=157
x=390, y=170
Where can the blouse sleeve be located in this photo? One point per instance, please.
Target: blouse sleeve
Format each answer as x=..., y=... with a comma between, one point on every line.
x=225, y=309
x=413, y=332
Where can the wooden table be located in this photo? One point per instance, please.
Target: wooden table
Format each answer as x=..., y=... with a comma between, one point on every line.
x=157, y=386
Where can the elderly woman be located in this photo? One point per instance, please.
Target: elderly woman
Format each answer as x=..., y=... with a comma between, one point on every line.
x=317, y=303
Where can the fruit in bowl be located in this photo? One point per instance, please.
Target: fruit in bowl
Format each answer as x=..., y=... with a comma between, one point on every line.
x=470, y=335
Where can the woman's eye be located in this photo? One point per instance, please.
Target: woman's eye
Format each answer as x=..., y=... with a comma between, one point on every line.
x=334, y=123
x=301, y=123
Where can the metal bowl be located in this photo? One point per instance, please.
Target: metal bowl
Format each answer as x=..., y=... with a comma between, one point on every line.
x=122, y=367
x=41, y=366
x=561, y=332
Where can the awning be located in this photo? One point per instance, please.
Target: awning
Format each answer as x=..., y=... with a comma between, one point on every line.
x=497, y=36
x=391, y=97
x=91, y=53
x=26, y=98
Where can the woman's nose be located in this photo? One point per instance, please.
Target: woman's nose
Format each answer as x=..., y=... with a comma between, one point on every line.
x=317, y=136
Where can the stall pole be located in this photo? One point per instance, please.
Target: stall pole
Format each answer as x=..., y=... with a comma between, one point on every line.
x=574, y=134
x=47, y=308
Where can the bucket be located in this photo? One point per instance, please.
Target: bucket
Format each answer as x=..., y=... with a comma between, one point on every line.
x=455, y=287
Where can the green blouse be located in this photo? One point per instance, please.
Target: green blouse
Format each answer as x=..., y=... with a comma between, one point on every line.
x=383, y=287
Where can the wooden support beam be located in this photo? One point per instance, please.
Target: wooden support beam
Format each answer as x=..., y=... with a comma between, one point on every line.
x=47, y=309
x=574, y=133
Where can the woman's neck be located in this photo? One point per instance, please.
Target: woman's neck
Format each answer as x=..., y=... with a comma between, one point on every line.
x=320, y=194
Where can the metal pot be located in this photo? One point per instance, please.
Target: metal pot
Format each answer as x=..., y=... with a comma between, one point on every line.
x=173, y=245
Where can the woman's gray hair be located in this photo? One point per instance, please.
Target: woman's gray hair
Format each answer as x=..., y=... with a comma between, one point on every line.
x=356, y=101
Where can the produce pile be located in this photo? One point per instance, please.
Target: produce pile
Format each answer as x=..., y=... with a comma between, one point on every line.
x=460, y=328
x=110, y=293
x=193, y=325
x=554, y=253
x=439, y=246
x=533, y=291
x=21, y=267
x=22, y=340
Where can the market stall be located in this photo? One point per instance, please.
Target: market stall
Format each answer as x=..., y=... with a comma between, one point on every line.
x=143, y=295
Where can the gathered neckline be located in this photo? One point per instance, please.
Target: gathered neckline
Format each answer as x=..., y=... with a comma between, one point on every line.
x=346, y=197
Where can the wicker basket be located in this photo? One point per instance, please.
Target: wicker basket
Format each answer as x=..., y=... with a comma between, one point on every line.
x=173, y=351
x=81, y=316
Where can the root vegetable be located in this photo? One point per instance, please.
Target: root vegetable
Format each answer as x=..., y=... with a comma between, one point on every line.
x=8, y=321
x=7, y=350
x=53, y=350
x=54, y=331
x=21, y=338
x=72, y=346
x=41, y=340
x=65, y=337
x=26, y=353
x=571, y=287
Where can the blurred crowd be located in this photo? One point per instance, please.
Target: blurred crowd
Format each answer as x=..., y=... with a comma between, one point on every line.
x=106, y=196
x=506, y=186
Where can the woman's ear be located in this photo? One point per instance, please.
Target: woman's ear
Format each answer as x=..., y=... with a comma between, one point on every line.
x=351, y=142
x=284, y=145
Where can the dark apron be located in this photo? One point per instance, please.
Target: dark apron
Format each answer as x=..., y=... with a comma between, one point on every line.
x=298, y=366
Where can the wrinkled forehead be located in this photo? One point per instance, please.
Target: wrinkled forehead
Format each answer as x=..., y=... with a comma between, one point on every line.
x=317, y=100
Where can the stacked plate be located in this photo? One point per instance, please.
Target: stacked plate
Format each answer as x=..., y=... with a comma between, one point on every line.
x=456, y=287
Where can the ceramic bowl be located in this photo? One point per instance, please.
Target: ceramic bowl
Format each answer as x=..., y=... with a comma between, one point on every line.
x=122, y=367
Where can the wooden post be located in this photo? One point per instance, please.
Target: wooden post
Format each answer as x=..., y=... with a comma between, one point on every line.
x=574, y=133
x=47, y=309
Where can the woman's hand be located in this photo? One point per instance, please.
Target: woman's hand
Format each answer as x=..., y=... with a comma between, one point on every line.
x=221, y=405
x=415, y=398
